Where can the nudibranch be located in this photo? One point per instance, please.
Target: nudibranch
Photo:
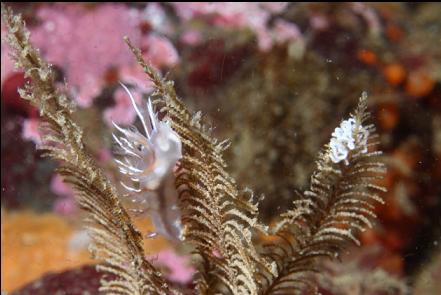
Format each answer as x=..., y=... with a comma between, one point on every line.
x=148, y=161
x=350, y=135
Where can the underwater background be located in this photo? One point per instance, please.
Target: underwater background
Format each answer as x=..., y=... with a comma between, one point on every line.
x=276, y=79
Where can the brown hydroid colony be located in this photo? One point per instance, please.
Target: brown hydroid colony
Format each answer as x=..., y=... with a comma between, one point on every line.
x=219, y=220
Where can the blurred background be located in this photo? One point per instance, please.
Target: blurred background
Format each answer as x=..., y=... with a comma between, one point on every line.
x=276, y=79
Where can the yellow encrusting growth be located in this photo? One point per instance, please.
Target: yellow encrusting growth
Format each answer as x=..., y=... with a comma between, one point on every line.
x=42, y=239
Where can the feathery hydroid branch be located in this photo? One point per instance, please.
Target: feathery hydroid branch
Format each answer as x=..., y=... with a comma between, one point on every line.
x=338, y=205
x=218, y=219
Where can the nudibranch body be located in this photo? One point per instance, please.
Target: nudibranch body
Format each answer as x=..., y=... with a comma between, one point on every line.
x=346, y=138
x=148, y=160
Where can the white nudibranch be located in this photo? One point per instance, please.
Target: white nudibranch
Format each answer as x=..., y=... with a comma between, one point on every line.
x=148, y=161
x=349, y=136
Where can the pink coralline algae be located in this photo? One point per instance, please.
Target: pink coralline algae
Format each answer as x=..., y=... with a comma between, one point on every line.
x=87, y=42
x=65, y=206
x=133, y=75
x=30, y=130
x=122, y=112
x=159, y=51
x=191, y=37
x=7, y=66
x=319, y=22
x=228, y=13
x=274, y=7
x=234, y=15
x=60, y=188
x=105, y=155
x=65, y=203
x=179, y=269
x=285, y=31
x=252, y=16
